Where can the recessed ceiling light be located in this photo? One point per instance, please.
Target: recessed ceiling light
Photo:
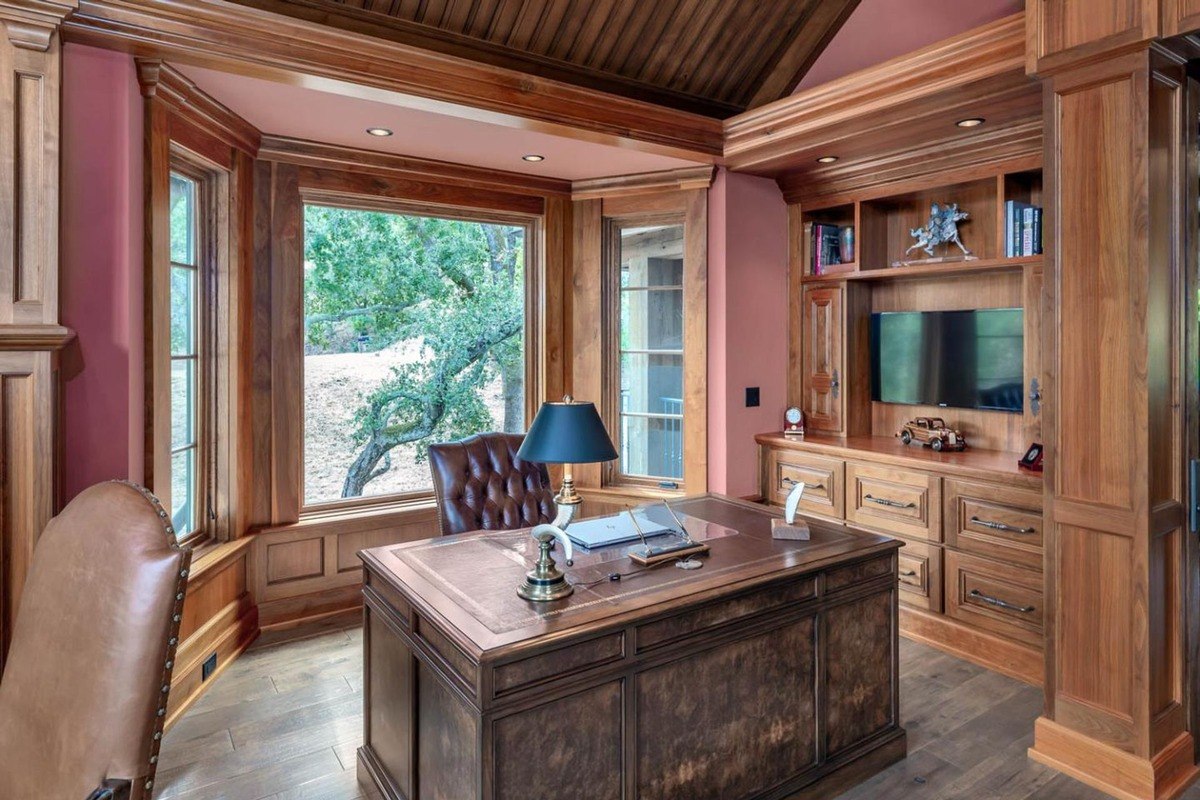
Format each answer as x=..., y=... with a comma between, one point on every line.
x=827, y=159
x=533, y=157
x=379, y=131
x=973, y=122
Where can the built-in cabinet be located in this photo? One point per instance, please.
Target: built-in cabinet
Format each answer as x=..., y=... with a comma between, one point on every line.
x=970, y=573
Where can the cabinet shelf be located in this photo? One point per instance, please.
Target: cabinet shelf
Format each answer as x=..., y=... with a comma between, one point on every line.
x=927, y=270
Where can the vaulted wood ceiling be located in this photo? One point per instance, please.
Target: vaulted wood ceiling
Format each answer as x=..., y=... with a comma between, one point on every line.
x=712, y=57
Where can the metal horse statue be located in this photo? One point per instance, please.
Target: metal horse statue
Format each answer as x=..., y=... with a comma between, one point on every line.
x=942, y=228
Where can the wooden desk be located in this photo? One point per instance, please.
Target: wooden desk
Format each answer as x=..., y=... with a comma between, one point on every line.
x=769, y=673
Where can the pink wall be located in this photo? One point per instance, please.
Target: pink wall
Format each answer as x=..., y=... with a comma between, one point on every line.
x=747, y=318
x=101, y=268
x=879, y=30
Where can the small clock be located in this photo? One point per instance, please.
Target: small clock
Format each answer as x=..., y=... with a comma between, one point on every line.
x=793, y=422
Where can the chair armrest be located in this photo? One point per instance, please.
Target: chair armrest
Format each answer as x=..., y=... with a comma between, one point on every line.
x=112, y=790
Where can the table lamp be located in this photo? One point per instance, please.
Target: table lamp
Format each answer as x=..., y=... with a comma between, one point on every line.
x=564, y=433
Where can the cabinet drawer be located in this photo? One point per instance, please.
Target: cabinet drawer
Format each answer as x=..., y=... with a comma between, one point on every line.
x=996, y=597
x=919, y=575
x=822, y=478
x=900, y=501
x=994, y=521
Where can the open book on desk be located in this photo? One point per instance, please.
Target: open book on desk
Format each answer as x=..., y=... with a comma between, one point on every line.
x=619, y=528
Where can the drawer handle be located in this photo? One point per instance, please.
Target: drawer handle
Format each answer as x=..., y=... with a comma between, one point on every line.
x=883, y=501
x=996, y=601
x=908, y=573
x=812, y=486
x=1000, y=526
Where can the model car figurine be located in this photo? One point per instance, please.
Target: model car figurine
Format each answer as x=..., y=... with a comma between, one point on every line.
x=933, y=432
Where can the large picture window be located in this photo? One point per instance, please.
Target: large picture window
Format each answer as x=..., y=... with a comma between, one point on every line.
x=414, y=333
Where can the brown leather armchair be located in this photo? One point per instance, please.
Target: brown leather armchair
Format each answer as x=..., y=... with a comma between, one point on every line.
x=84, y=693
x=480, y=484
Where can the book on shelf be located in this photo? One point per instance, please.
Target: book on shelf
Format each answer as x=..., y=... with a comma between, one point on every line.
x=1022, y=229
x=824, y=247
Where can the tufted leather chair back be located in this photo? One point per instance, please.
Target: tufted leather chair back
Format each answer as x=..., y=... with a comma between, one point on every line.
x=84, y=694
x=481, y=485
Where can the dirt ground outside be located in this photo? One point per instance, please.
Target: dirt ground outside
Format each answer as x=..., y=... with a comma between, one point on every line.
x=335, y=387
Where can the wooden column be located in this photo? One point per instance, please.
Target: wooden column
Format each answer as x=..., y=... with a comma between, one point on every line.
x=1116, y=111
x=30, y=336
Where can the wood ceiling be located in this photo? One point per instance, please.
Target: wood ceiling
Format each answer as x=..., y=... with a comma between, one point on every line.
x=711, y=57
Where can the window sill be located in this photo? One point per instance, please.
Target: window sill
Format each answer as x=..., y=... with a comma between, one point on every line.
x=364, y=516
x=212, y=555
x=631, y=491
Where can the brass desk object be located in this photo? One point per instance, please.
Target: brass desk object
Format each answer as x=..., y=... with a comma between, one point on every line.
x=546, y=581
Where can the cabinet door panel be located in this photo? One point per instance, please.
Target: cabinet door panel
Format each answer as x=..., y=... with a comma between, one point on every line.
x=824, y=361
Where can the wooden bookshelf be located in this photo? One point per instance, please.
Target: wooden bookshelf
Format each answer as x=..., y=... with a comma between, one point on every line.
x=977, y=266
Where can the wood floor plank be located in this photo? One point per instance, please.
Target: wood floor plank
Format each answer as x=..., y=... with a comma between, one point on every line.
x=968, y=730
x=269, y=779
x=261, y=712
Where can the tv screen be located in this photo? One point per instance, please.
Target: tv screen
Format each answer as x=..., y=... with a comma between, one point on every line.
x=957, y=359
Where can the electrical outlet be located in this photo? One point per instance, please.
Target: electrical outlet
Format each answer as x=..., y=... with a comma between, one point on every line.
x=752, y=399
x=209, y=667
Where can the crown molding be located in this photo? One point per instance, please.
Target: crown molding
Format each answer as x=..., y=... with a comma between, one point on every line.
x=887, y=92
x=306, y=153
x=250, y=41
x=1017, y=147
x=163, y=82
x=673, y=180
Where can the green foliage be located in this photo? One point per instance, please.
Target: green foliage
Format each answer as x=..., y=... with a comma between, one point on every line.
x=456, y=287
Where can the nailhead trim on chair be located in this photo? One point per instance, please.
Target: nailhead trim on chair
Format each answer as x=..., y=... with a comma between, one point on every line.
x=176, y=619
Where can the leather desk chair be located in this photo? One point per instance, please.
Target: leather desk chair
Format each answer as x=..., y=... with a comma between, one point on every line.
x=480, y=484
x=84, y=693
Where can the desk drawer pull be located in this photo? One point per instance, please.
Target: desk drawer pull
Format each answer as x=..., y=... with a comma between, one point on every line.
x=1000, y=526
x=996, y=601
x=813, y=486
x=883, y=501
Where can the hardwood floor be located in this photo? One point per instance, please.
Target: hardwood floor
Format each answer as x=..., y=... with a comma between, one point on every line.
x=284, y=721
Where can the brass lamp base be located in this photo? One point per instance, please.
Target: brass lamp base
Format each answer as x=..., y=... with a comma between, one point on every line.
x=542, y=590
x=546, y=581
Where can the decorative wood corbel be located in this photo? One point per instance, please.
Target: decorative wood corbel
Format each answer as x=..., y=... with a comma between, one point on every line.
x=30, y=24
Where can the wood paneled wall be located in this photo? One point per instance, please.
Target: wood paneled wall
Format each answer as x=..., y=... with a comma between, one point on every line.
x=1118, y=120
x=30, y=336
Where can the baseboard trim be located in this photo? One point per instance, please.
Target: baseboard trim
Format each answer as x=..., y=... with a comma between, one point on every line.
x=226, y=634
x=1109, y=769
x=1013, y=659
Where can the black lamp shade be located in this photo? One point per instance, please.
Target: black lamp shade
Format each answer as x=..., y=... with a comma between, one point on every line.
x=567, y=433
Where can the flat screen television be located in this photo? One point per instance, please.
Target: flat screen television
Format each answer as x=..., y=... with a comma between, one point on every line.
x=956, y=359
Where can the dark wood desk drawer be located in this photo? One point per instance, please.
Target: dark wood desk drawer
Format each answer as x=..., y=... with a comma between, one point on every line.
x=919, y=575
x=1000, y=598
x=822, y=478
x=900, y=501
x=994, y=521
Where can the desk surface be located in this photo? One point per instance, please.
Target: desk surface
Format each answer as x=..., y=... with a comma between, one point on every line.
x=469, y=581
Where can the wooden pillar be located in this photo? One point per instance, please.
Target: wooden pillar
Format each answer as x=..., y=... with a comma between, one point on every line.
x=30, y=336
x=1116, y=113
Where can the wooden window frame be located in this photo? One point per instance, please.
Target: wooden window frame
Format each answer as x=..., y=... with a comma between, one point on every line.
x=213, y=337
x=689, y=209
x=534, y=330
x=611, y=298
